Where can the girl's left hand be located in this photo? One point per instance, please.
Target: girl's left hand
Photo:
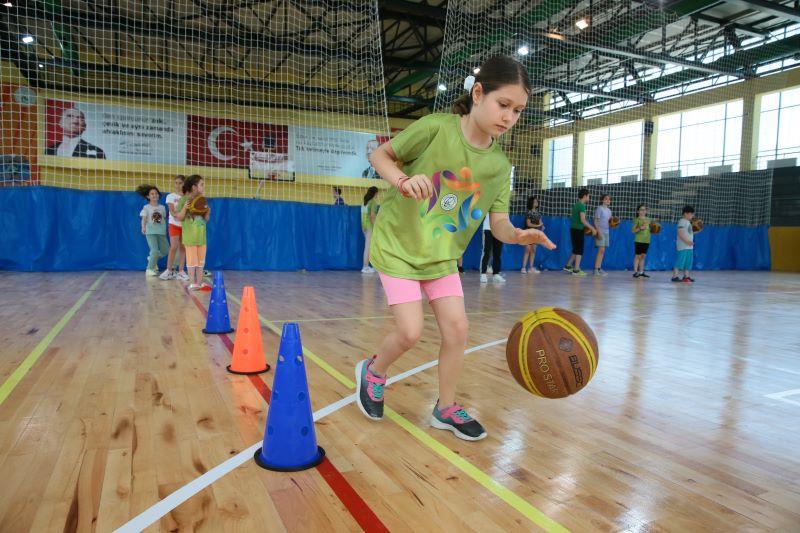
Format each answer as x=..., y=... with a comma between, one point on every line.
x=533, y=236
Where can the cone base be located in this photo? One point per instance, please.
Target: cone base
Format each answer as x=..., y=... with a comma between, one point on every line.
x=253, y=373
x=217, y=332
x=263, y=464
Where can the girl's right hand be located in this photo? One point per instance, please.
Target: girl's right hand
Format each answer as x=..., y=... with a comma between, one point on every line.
x=418, y=187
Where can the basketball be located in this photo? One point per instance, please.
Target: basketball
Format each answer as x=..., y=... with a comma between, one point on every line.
x=613, y=222
x=552, y=352
x=587, y=231
x=697, y=225
x=655, y=227
x=198, y=206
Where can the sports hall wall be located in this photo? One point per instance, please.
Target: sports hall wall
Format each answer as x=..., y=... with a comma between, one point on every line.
x=47, y=227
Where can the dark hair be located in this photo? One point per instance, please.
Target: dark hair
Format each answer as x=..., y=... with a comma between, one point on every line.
x=496, y=72
x=688, y=209
x=338, y=190
x=371, y=192
x=582, y=192
x=604, y=197
x=180, y=177
x=190, y=182
x=144, y=190
x=637, y=209
x=531, y=199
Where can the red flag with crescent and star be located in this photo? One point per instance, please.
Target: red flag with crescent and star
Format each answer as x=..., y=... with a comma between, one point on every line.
x=223, y=142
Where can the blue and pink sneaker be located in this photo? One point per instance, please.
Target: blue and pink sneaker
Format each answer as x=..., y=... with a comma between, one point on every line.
x=456, y=419
x=369, y=390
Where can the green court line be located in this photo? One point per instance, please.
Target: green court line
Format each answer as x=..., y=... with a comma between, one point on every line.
x=13, y=380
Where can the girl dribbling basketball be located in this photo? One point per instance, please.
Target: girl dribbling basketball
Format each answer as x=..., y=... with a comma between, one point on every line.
x=447, y=172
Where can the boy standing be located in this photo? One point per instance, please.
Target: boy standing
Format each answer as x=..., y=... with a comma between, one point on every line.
x=685, y=246
x=577, y=223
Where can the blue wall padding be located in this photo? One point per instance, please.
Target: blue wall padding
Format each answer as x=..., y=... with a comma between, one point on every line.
x=51, y=229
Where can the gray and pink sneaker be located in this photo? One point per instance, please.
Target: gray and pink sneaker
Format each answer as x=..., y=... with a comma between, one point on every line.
x=456, y=419
x=369, y=390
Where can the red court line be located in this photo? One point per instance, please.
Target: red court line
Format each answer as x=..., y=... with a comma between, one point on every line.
x=358, y=508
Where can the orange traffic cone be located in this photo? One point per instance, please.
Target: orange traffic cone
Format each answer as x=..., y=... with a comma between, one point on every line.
x=248, y=349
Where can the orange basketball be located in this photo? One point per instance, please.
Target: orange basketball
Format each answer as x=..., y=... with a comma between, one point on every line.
x=613, y=222
x=655, y=227
x=697, y=225
x=587, y=231
x=198, y=206
x=552, y=352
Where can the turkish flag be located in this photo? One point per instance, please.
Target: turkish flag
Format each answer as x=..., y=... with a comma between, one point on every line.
x=224, y=142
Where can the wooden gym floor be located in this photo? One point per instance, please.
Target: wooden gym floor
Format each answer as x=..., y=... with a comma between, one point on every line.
x=112, y=400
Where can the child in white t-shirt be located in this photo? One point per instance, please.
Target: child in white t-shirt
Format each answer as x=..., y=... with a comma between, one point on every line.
x=154, y=226
x=177, y=253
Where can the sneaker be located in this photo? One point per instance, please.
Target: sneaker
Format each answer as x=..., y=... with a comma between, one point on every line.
x=193, y=287
x=567, y=269
x=183, y=276
x=369, y=390
x=687, y=279
x=536, y=271
x=205, y=287
x=643, y=275
x=600, y=272
x=149, y=272
x=524, y=271
x=676, y=279
x=637, y=275
x=367, y=270
x=167, y=275
x=456, y=419
x=484, y=279
x=579, y=273
x=498, y=278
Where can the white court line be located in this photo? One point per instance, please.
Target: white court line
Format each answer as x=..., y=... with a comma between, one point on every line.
x=154, y=513
x=782, y=396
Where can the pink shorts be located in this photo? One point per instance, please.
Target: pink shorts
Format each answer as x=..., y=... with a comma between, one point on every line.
x=400, y=291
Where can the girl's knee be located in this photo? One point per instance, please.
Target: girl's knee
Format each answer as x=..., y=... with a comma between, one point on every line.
x=456, y=330
x=409, y=335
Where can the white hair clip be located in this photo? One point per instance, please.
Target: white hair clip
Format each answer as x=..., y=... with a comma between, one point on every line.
x=469, y=81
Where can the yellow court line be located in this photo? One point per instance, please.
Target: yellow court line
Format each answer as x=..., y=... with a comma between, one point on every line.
x=511, y=498
x=13, y=380
x=429, y=315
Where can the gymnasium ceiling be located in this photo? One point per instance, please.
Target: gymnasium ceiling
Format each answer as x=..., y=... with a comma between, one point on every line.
x=251, y=51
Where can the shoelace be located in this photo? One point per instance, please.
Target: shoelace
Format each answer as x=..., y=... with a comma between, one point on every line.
x=377, y=390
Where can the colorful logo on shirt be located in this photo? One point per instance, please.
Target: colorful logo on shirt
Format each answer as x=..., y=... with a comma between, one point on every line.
x=461, y=183
x=157, y=217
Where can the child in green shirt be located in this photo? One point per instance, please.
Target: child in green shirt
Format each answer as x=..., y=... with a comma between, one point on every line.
x=447, y=171
x=641, y=242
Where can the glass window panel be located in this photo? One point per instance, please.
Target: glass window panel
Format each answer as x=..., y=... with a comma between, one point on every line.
x=790, y=98
x=735, y=108
x=668, y=122
x=789, y=134
x=768, y=131
x=769, y=102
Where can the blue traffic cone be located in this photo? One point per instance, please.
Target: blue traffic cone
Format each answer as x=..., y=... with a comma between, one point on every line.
x=218, y=320
x=290, y=443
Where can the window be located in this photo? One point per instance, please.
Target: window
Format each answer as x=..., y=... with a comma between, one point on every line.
x=610, y=153
x=560, y=173
x=780, y=113
x=695, y=140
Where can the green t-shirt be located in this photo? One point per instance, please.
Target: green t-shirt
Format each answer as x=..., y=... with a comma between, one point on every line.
x=642, y=235
x=575, y=221
x=423, y=239
x=366, y=211
x=194, y=228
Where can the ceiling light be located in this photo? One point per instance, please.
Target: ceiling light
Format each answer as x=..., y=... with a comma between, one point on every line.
x=28, y=39
x=41, y=65
x=523, y=50
x=8, y=4
x=582, y=23
x=476, y=70
x=442, y=87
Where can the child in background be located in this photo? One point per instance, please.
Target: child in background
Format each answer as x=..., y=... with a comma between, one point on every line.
x=369, y=211
x=641, y=241
x=177, y=254
x=532, y=220
x=492, y=247
x=601, y=240
x=154, y=226
x=447, y=172
x=194, y=232
x=577, y=223
x=685, y=245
